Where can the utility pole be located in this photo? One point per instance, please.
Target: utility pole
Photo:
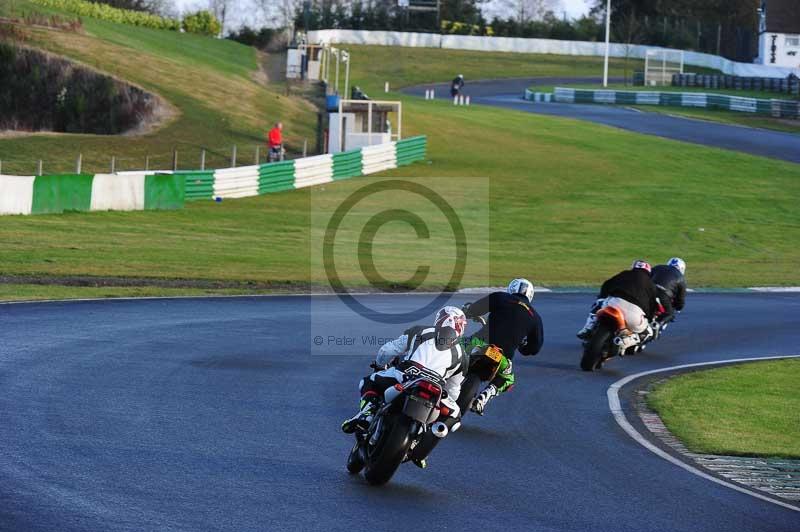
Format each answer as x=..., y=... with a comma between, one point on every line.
x=608, y=43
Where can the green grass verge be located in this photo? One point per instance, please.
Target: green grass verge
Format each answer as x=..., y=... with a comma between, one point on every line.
x=569, y=202
x=403, y=67
x=32, y=292
x=785, y=125
x=746, y=410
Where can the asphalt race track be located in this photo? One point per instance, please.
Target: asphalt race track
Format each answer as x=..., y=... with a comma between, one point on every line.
x=213, y=414
x=508, y=94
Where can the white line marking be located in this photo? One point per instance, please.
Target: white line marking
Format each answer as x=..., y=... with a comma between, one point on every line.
x=223, y=296
x=616, y=409
x=776, y=289
x=463, y=291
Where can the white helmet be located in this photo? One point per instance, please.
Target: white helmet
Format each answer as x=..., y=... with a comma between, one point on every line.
x=523, y=287
x=640, y=264
x=677, y=262
x=461, y=76
x=450, y=325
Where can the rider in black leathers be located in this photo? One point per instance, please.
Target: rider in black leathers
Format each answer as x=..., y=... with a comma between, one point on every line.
x=457, y=86
x=671, y=287
x=513, y=324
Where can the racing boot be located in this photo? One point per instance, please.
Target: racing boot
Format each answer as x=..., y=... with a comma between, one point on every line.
x=626, y=341
x=420, y=462
x=584, y=333
x=480, y=402
x=361, y=420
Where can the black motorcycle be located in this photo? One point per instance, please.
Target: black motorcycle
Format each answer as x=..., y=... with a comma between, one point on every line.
x=409, y=412
x=484, y=361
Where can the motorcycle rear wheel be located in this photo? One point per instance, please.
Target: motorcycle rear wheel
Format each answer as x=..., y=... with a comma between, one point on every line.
x=390, y=450
x=469, y=391
x=593, y=351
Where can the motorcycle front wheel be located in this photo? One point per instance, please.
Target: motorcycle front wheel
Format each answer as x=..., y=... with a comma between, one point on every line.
x=355, y=462
x=388, y=453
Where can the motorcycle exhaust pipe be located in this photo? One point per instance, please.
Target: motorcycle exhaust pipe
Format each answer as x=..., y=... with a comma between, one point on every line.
x=439, y=429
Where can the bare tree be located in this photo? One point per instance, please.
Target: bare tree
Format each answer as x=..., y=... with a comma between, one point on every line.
x=277, y=13
x=220, y=9
x=528, y=10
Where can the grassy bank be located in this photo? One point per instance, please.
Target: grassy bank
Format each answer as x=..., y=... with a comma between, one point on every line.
x=746, y=410
x=212, y=92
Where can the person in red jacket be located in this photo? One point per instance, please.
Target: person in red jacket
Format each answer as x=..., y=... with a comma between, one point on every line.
x=275, y=142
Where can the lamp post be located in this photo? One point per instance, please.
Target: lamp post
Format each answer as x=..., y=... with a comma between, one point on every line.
x=346, y=59
x=608, y=43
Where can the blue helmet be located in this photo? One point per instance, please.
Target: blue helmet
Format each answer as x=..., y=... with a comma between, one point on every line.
x=678, y=263
x=523, y=287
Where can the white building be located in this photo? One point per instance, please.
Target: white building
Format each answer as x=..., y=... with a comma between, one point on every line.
x=779, y=33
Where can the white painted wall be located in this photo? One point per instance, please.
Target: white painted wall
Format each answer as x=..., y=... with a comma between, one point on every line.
x=787, y=54
x=539, y=46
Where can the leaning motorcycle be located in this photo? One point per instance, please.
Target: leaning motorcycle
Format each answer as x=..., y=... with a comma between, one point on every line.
x=408, y=413
x=609, y=338
x=484, y=361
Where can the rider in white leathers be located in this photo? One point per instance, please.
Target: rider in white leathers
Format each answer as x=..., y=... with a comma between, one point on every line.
x=433, y=349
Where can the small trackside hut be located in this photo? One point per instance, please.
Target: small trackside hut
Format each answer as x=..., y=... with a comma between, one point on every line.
x=779, y=33
x=304, y=62
x=358, y=123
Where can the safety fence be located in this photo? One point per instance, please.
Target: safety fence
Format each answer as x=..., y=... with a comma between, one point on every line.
x=50, y=194
x=168, y=190
x=537, y=46
x=774, y=108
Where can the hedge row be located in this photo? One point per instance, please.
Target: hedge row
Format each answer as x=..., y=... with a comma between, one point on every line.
x=112, y=14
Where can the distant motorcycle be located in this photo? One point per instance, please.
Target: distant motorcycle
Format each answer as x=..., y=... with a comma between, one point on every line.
x=409, y=412
x=612, y=338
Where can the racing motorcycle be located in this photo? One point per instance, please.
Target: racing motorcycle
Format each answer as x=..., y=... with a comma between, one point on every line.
x=409, y=412
x=484, y=361
x=611, y=337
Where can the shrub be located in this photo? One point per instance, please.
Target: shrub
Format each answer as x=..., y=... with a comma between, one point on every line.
x=202, y=22
x=112, y=14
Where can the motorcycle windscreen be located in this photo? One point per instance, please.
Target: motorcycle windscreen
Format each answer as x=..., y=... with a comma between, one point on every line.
x=417, y=409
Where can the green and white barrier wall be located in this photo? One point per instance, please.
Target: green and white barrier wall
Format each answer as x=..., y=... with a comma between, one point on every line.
x=246, y=181
x=127, y=191
x=771, y=107
x=50, y=194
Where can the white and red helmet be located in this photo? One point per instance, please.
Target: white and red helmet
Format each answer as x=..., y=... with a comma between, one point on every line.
x=450, y=325
x=641, y=265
